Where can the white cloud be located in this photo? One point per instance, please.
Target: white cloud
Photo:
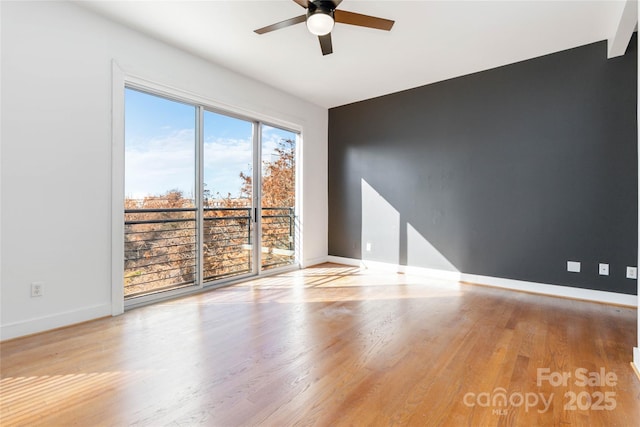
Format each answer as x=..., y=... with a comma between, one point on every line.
x=224, y=159
x=160, y=165
x=157, y=165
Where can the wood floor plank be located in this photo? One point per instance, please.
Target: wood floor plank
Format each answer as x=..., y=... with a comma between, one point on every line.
x=329, y=346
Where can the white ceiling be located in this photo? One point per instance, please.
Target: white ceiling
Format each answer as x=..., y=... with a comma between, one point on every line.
x=431, y=40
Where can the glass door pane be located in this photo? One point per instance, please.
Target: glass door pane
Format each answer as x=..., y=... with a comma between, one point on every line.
x=228, y=197
x=278, y=190
x=160, y=208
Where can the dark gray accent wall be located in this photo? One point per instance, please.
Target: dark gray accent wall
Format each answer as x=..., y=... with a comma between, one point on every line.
x=508, y=173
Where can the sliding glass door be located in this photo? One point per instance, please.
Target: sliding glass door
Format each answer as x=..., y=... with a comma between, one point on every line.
x=278, y=201
x=160, y=202
x=208, y=196
x=227, y=197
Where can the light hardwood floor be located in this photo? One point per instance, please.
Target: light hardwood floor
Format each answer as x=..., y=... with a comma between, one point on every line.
x=330, y=345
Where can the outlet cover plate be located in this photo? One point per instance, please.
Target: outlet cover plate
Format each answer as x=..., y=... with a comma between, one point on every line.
x=603, y=269
x=37, y=289
x=573, y=266
x=632, y=272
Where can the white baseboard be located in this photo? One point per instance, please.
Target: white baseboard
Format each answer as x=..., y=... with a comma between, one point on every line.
x=636, y=361
x=41, y=324
x=313, y=261
x=516, y=285
x=345, y=261
x=554, y=290
x=396, y=268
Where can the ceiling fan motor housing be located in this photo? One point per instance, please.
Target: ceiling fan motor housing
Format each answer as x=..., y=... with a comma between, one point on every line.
x=320, y=18
x=320, y=6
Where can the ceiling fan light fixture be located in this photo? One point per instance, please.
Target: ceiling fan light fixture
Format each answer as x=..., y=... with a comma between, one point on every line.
x=320, y=21
x=321, y=17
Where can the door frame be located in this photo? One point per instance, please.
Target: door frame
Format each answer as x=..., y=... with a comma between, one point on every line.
x=122, y=79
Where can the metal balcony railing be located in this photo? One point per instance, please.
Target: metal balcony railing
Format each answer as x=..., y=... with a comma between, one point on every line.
x=161, y=245
x=159, y=250
x=278, y=237
x=227, y=242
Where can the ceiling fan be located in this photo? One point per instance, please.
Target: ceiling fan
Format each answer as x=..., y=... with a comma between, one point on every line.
x=322, y=15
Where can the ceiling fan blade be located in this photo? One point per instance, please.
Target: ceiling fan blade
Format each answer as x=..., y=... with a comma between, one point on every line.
x=325, y=44
x=360, y=20
x=303, y=3
x=283, y=24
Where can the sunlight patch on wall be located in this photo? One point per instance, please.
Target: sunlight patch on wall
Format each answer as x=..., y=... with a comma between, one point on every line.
x=421, y=253
x=380, y=227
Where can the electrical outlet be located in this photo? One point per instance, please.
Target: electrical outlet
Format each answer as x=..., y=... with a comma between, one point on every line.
x=573, y=266
x=37, y=289
x=603, y=269
x=368, y=247
x=632, y=272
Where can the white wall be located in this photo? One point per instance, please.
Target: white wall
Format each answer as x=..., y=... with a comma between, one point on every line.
x=56, y=165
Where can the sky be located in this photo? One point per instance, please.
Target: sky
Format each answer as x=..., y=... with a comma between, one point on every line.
x=160, y=147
